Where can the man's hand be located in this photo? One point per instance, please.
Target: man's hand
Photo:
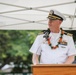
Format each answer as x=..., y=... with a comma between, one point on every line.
x=35, y=59
x=70, y=59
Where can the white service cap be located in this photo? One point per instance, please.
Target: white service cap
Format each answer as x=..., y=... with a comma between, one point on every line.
x=54, y=14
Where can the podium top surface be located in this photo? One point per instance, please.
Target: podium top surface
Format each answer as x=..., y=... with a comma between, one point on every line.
x=52, y=65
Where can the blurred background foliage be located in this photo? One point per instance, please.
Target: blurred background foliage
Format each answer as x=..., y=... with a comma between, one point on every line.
x=15, y=45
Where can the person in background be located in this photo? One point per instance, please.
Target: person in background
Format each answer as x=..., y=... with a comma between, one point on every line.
x=55, y=46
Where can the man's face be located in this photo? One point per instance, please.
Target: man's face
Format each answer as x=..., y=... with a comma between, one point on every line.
x=54, y=24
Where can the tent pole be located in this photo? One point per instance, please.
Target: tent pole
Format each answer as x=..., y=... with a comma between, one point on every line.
x=73, y=19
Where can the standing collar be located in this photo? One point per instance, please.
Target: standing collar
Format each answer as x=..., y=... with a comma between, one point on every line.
x=54, y=34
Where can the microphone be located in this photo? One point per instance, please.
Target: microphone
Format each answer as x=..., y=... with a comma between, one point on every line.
x=46, y=33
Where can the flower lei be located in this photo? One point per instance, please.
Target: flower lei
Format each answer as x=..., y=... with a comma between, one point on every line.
x=60, y=40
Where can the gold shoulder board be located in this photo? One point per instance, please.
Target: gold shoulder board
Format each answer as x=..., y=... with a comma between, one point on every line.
x=40, y=33
x=69, y=34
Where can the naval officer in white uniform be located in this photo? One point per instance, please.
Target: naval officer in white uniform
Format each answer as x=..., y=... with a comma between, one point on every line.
x=55, y=46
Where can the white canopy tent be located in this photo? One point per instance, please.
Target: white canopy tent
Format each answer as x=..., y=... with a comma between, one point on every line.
x=32, y=14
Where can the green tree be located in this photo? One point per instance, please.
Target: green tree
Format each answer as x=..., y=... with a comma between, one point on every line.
x=15, y=45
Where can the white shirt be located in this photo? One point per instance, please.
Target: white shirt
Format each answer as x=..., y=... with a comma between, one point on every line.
x=53, y=56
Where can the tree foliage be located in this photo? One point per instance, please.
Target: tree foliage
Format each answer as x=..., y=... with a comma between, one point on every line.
x=15, y=45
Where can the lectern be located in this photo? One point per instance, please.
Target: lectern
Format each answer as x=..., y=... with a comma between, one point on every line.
x=54, y=69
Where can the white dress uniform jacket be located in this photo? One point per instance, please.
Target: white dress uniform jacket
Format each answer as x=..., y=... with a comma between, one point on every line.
x=53, y=56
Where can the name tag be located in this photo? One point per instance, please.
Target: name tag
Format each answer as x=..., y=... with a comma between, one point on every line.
x=63, y=46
